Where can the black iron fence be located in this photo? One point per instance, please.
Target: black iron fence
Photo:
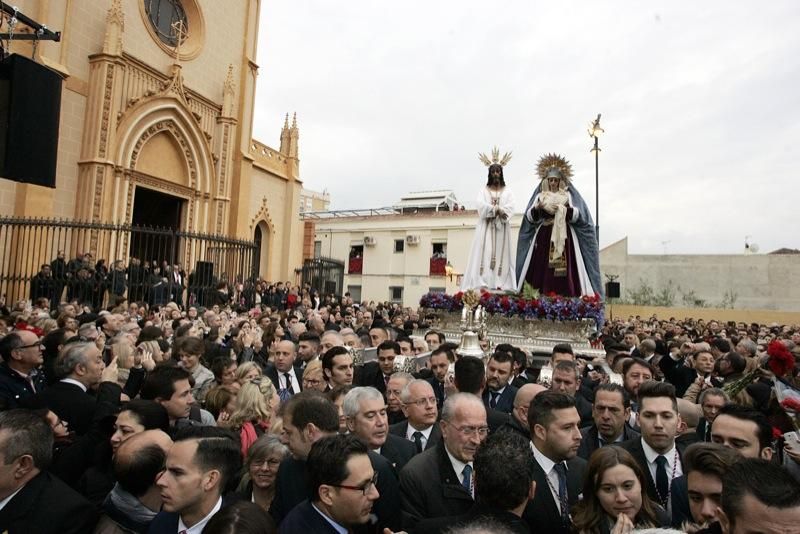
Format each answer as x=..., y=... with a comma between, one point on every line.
x=326, y=275
x=81, y=257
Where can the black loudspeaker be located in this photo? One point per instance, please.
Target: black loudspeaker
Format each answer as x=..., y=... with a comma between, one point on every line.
x=612, y=290
x=204, y=273
x=30, y=104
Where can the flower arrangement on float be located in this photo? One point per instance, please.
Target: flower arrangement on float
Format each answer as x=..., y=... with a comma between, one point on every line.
x=542, y=307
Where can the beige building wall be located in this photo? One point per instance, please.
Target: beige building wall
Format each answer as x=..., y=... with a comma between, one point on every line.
x=383, y=268
x=137, y=113
x=758, y=281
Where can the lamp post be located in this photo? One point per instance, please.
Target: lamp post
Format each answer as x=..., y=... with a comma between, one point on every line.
x=594, y=131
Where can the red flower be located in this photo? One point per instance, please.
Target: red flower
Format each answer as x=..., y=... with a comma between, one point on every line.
x=505, y=303
x=781, y=361
x=791, y=403
x=776, y=433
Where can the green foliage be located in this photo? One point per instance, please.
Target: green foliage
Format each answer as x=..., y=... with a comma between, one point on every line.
x=529, y=292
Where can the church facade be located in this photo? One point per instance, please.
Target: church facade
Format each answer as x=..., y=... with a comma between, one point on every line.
x=155, y=125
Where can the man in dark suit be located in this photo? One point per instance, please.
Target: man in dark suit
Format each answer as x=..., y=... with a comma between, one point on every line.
x=80, y=368
x=519, y=416
x=557, y=469
x=20, y=377
x=567, y=379
x=711, y=401
x=309, y=417
x=656, y=451
x=377, y=374
x=441, y=359
x=499, y=395
x=419, y=407
x=199, y=466
x=470, y=377
x=342, y=483
x=439, y=482
x=503, y=486
x=284, y=374
x=365, y=411
x=611, y=410
x=39, y=502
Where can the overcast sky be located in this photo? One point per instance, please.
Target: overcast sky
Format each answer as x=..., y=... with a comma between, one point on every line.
x=700, y=104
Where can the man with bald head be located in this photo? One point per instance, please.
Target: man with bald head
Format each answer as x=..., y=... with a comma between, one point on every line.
x=135, y=499
x=519, y=413
x=283, y=372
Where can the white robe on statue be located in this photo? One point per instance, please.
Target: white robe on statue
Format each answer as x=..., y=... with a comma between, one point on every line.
x=491, y=258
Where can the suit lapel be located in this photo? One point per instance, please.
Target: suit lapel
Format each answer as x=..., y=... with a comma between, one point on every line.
x=544, y=496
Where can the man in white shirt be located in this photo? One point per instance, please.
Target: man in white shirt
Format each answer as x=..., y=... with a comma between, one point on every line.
x=656, y=451
x=198, y=468
x=421, y=414
x=558, y=471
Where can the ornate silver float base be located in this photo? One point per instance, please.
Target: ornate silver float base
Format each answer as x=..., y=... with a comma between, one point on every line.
x=532, y=335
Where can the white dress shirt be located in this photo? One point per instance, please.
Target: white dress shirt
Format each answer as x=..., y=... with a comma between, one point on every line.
x=336, y=526
x=426, y=434
x=458, y=467
x=673, y=462
x=197, y=528
x=74, y=382
x=292, y=376
x=548, y=466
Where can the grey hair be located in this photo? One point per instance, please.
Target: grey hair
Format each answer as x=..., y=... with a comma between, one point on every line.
x=647, y=345
x=456, y=401
x=749, y=345
x=352, y=401
x=70, y=357
x=266, y=445
x=86, y=328
x=714, y=392
x=339, y=340
x=484, y=525
x=405, y=395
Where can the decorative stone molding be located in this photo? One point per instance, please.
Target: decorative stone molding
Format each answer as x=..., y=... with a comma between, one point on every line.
x=115, y=27
x=167, y=126
x=228, y=94
x=262, y=215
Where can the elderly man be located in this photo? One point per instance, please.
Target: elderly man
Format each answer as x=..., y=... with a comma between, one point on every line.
x=365, y=410
x=31, y=499
x=394, y=388
x=711, y=401
x=439, y=481
x=79, y=367
x=20, y=377
x=136, y=499
x=420, y=425
x=330, y=339
x=199, y=466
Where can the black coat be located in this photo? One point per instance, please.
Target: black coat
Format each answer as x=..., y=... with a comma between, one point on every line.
x=14, y=388
x=71, y=404
x=429, y=487
x=372, y=376
x=272, y=372
x=441, y=524
x=438, y=391
x=291, y=489
x=542, y=513
x=515, y=426
x=401, y=429
x=677, y=374
x=47, y=505
x=634, y=446
x=398, y=451
x=506, y=401
x=590, y=436
x=303, y=518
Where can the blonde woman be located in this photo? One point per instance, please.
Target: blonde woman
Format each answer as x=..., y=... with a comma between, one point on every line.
x=247, y=372
x=251, y=415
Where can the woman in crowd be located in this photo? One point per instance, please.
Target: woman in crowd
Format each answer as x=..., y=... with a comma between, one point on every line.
x=189, y=350
x=224, y=370
x=260, y=469
x=615, y=496
x=221, y=402
x=312, y=376
x=247, y=372
x=336, y=396
x=251, y=415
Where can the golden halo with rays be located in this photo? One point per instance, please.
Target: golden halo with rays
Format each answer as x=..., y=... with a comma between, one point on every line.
x=495, y=159
x=548, y=161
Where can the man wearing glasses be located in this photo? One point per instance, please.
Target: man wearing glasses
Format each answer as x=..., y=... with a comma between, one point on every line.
x=419, y=406
x=19, y=373
x=343, y=484
x=439, y=482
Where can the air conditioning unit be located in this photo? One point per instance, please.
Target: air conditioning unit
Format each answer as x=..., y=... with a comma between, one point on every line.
x=412, y=239
x=369, y=241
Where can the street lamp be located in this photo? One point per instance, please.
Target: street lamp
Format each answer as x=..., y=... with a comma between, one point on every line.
x=595, y=131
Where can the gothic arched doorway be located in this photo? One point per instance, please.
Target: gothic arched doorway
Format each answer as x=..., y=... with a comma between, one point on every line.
x=261, y=255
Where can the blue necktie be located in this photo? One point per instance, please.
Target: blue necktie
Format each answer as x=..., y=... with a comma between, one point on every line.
x=467, y=482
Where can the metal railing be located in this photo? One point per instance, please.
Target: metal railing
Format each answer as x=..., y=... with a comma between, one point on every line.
x=27, y=244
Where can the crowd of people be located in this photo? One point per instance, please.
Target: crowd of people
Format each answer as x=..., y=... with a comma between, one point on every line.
x=263, y=414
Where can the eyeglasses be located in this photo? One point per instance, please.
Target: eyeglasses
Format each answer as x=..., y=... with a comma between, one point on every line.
x=307, y=382
x=266, y=462
x=364, y=488
x=470, y=431
x=422, y=402
x=38, y=344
